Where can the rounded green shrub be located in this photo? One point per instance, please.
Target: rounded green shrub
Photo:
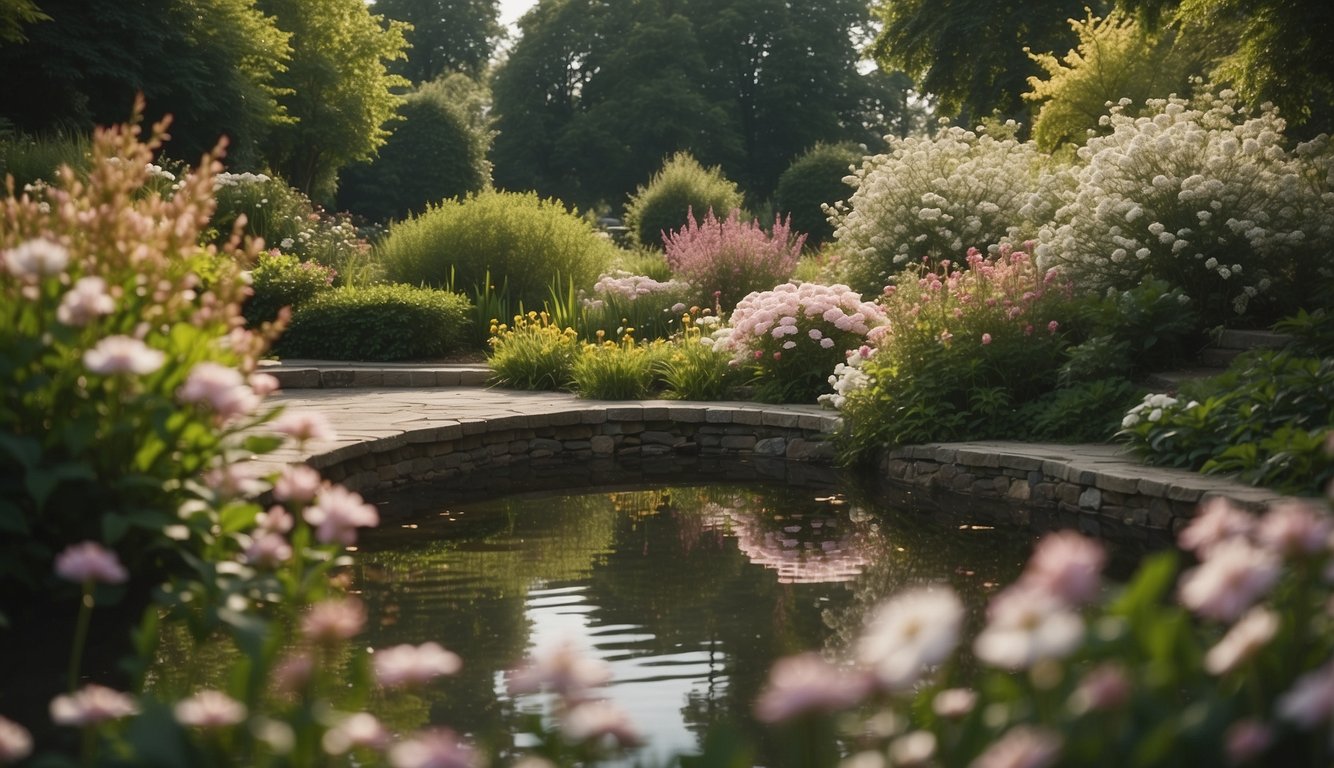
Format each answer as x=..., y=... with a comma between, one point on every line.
x=380, y=322
x=434, y=153
x=682, y=186
x=273, y=210
x=813, y=180
x=280, y=280
x=496, y=238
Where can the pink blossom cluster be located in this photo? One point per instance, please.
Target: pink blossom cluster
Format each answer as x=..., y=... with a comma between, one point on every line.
x=731, y=258
x=623, y=286
x=793, y=318
x=565, y=671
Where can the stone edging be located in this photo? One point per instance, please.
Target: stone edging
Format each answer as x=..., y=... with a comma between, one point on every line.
x=585, y=434
x=1096, y=484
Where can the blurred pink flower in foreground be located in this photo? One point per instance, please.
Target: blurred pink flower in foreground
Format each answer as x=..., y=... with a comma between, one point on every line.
x=1104, y=687
x=1310, y=701
x=221, y=388
x=1246, y=740
x=122, y=354
x=303, y=426
x=1242, y=642
x=414, y=664
x=1233, y=575
x=1066, y=565
x=954, y=703
x=37, y=258
x=909, y=632
x=1021, y=747
x=562, y=669
x=298, y=483
x=1218, y=520
x=91, y=705
x=85, y=301
x=337, y=513
x=334, y=620
x=90, y=561
x=209, y=709
x=1295, y=528
x=440, y=748
x=15, y=741
x=356, y=730
x=1026, y=626
x=596, y=721
x=804, y=684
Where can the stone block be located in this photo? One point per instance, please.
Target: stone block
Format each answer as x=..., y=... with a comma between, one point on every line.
x=738, y=442
x=753, y=418
x=771, y=446
x=1091, y=498
x=602, y=445
x=659, y=438
x=396, y=377
x=780, y=419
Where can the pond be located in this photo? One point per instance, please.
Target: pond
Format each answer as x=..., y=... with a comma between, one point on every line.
x=688, y=592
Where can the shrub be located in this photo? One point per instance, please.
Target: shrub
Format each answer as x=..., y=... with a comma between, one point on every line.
x=533, y=353
x=30, y=159
x=815, y=180
x=434, y=153
x=929, y=198
x=278, y=281
x=962, y=354
x=378, y=322
x=682, y=185
x=113, y=317
x=1267, y=419
x=794, y=335
x=725, y=260
x=1203, y=196
x=691, y=368
x=528, y=243
x=616, y=371
x=620, y=301
x=1153, y=325
x=274, y=211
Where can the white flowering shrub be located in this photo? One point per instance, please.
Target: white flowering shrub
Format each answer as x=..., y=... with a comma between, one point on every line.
x=935, y=197
x=848, y=377
x=1202, y=194
x=794, y=335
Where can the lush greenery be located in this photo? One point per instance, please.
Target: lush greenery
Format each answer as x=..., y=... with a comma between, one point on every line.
x=682, y=187
x=280, y=280
x=378, y=322
x=530, y=243
x=437, y=151
x=815, y=180
x=447, y=36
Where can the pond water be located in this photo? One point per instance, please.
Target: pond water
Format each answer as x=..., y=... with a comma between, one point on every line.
x=689, y=593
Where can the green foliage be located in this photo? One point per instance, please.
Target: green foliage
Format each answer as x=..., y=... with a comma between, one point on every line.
x=1267, y=419
x=32, y=159
x=274, y=212
x=814, y=180
x=1116, y=59
x=529, y=243
x=1085, y=412
x=102, y=446
x=616, y=371
x=691, y=370
x=621, y=302
x=14, y=14
x=446, y=36
x=533, y=353
x=1150, y=327
x=435, y=152
x=970, y=54
x=338, y=90
x=682, y=185
x=378, y=322
x=279, y=280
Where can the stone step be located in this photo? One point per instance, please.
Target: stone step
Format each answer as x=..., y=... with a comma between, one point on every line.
x=1243, y=340
x=363, y=376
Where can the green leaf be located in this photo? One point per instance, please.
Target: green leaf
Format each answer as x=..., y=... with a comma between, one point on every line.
x=12, y=519
x=262, y=444
x=43, y=481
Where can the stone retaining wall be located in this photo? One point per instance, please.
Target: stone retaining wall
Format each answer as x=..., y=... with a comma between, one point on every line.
x=433, y=453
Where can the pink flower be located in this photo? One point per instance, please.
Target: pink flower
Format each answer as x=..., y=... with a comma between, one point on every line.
x=356, y=730
x=85, y=301
x=986, y=339
x=1233, y=576
x=913, y=748
x=1053, y=326
x=1310, y=701
x=276, y=520
x=37, y=258
x=263, y=383
x=307, y=425
x=561, y=668
x=268, y=550
x=337, y=513
x=91, y=705
x=334, y=620
x=1217, y=520
x=89, y=561
x=954, y=703
x=293, y=672
x=122, y=354
x=220, y=387
x=1246, y=740
x=1026, y=626
x=1105, y=687
x=298, y=483
x=1067, y=565
x=910, y=632
x=15, y=742
x=1295, y=528
x=1021, y=747
x=236, y=480
x=1242, y=642
x=440, y=748
x=209, y=709
x=595, y=721
x=807, y=683
x=407, y=665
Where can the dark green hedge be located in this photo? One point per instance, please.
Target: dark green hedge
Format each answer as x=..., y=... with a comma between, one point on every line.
x=377, y=323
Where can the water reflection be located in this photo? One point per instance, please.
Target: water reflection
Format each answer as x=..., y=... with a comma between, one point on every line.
x=688, y=593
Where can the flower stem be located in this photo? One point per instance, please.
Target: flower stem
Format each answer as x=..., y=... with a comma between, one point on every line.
x=81, y=634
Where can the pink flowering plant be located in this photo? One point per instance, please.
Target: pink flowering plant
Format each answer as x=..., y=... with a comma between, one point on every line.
x=1224, y=662
x=965, y=349
x=725, y=260
x=621, y=300
x=791, y=337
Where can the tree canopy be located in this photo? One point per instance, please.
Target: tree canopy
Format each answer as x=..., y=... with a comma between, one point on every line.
x=446, y=35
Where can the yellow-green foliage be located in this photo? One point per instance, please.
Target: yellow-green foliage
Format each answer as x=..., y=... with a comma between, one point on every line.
x=1116, y=59
x=519, y=240
x=681, y=186
x=533, y=353
x=612, y=370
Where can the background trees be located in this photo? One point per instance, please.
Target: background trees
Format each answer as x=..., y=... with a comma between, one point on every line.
x=446, y=35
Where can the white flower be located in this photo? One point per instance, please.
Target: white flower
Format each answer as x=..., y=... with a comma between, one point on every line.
x=122, y=354
x=209, y=709
x=909, y=633
x=88, y=299
x=91, y=705
x=1232, y=577
x=1026, y=626
x=407, y=665
x=37, y=258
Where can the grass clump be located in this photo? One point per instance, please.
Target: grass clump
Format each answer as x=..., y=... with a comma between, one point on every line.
x=612, y=370
x=533, y=353
x=381, y=322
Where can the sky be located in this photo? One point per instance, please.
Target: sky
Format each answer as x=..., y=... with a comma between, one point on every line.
x=511, y=10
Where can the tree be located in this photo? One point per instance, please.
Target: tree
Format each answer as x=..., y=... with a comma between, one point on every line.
x=210, y=63
x=338, y=89
x=1269, y=50
x=446, y=35
x=14, y=14
x=1116, y=59
x=970, y=54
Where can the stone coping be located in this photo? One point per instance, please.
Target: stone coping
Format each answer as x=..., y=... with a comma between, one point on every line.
x=325, y=374
x=391, y=436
